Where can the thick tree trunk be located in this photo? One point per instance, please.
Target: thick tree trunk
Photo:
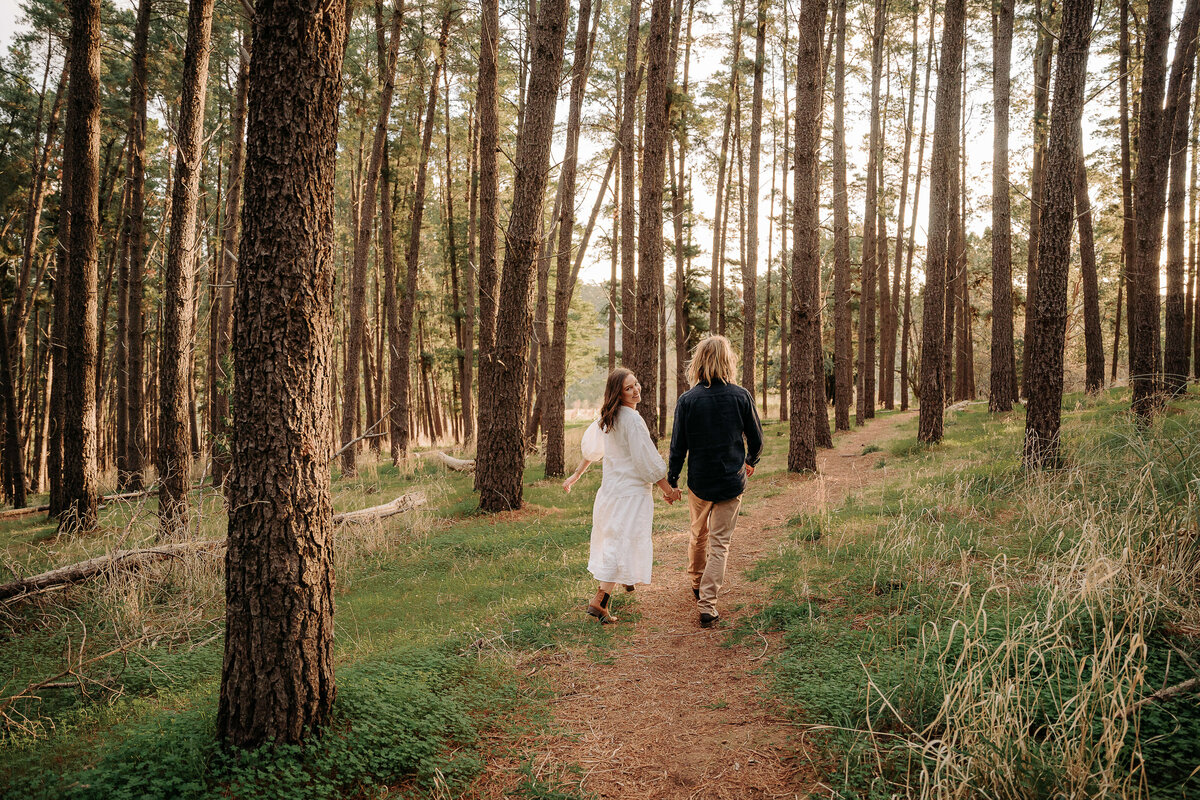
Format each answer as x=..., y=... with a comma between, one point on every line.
x=174, y=448
x=500, y=456
x=1054, y=248
x=1093, y=341
x=277, y=681
x=942, y=168
x=806, y=255
x=82, y=150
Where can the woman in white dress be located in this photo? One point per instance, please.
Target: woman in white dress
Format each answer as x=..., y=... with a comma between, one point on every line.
x=622, y=516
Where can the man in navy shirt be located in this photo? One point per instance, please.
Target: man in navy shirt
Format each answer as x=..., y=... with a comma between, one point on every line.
x=717, y=430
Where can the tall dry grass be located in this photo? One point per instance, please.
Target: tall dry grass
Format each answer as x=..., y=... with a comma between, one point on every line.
x=1028, y=675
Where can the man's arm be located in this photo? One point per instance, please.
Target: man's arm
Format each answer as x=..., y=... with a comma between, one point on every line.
x=679, y=445
x=752, y=428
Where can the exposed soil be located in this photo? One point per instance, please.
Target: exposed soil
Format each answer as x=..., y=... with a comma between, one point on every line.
x=674, y=713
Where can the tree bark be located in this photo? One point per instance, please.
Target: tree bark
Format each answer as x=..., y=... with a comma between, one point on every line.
x=174, y=447
x=1177, y=344
x=1042, y=57
x=1093, y=341
x=1155, y=128
x=555, y=381
x=500, y=458
x=82, y=149
x=1128, y=223
x=806, y=255
x=843, y=344
x=629, y=331
x=1000, y=397
x=277, y=681
x=650, y=232
x=864, y=407
x=942, y=168
x=1054, y=248
x=750, y=265
x=487, y=97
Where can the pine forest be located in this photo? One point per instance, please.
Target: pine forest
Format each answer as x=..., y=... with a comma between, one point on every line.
x=877, y=322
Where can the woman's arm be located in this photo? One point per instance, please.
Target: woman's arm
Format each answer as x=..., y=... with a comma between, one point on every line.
x=670, y=493
x=569, y=482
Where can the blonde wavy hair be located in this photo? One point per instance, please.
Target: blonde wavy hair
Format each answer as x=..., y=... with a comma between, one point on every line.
x=712, y=358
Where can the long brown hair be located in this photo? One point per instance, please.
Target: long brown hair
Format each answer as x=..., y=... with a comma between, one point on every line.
x=613, y=388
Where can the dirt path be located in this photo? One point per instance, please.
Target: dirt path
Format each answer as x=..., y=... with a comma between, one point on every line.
x=673, y=713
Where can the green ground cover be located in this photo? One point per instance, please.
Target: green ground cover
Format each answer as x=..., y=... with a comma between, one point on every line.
x=967, y=630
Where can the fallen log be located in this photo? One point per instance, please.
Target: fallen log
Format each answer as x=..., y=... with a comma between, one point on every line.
x=450, y=462
x=119, y=560
x=126, y=560
x=405, y=502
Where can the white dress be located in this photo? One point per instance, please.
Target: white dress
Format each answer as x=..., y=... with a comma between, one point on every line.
x=623, y=513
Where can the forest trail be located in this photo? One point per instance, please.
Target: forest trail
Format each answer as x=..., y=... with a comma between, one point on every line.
x=673, y=713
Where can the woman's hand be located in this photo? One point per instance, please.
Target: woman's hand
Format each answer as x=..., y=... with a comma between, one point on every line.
x=569, y=482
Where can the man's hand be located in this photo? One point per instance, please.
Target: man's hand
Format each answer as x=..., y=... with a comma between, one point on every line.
x=749, y=470
x=672, y=494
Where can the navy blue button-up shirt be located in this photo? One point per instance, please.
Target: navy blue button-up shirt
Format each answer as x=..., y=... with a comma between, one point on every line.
x=718, y=431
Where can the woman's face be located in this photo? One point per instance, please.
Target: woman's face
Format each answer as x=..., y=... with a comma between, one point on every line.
x=631, y=391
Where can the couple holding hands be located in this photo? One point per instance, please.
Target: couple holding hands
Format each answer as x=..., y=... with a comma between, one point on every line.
x=716, y=430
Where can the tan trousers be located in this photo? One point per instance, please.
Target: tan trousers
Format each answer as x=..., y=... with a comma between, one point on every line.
x=712, y=530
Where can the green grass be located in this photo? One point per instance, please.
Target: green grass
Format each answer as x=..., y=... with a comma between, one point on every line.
x=919, y=607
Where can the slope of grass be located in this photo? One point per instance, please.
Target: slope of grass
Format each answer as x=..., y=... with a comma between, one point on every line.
x=969, y=630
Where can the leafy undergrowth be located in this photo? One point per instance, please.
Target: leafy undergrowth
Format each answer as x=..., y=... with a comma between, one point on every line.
x=438, y=613
x=968, y=630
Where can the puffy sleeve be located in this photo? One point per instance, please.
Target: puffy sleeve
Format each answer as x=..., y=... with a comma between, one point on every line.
x=648, y=464
x=593, y=443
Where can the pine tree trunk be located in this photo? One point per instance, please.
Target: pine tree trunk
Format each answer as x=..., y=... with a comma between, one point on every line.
x=682, y=327
x=500, y=458
x=174, y=449
x=942, y=169
x=750, y=265
x=1054, y=248
x=1155, y=128
x=784, y=305
x=864, y=408
x=365, y=223
x=228, y=273
x=1042, y=58
x=81, y=149
x=401, y=350
x=629, y=331
x=1177, y=343
x=555, y=379
x=650, y=233
x=277, y=681
x=1000, y=398
x=806, y=263
x=843, y=344
x=1128, y=223
x=1093, y=341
